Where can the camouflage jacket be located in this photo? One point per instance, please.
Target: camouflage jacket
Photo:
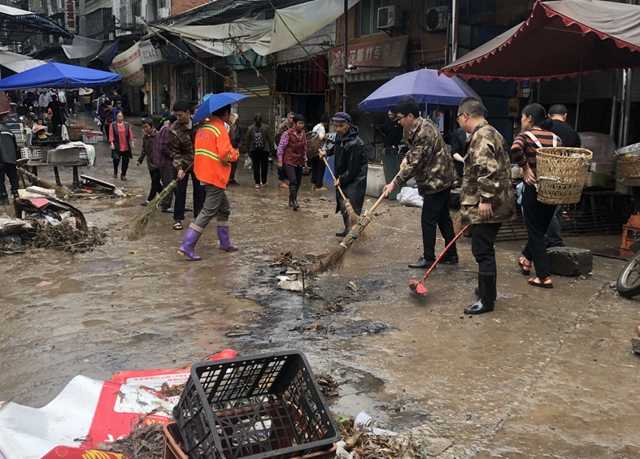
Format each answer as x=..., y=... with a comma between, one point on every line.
x=284, y=126
x=428, y=160
x=487, y=177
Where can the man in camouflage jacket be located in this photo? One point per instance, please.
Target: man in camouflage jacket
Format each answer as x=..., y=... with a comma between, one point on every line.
x=487, y=198
x=431, y=165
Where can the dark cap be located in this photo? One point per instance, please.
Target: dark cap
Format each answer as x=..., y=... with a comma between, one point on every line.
x=341, y=116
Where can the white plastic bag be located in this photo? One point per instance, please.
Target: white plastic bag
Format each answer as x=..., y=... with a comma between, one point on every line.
x=410, y=197
x=248, y=162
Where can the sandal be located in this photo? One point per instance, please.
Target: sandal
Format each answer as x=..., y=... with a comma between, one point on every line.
x=524, y=267
x=177, y=225
x=544, y=283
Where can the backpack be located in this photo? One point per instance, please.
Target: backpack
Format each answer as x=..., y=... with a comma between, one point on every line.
x=258, y=141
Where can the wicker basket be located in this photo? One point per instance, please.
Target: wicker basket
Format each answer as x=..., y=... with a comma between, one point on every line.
x=313, y=144
x=629, y=167
x=560, y=174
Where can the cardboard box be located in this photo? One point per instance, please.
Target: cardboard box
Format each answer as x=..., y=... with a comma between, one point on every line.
x=594, y=179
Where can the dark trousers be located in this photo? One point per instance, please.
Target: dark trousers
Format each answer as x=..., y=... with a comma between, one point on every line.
x=167, y=175
x=124, y=156
x=435, y=211
x=294, y=174
x=156, y=185
x=483, y=237
x=11, y=171
x=537, y=219
x=216, y=205
x=554, y=232
x=234, y=168
x=181, y=197
x=260, y=167
x=317, y=171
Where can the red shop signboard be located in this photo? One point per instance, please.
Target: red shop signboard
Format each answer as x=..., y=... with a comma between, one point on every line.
x=368, y=57
x=70, y=15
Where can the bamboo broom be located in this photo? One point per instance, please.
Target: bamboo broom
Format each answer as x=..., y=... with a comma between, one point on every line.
x=141, y=219
x=352, y=217
x=61, y=191
x=334, y=259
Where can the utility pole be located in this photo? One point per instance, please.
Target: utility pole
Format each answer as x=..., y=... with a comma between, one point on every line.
x=345, y=52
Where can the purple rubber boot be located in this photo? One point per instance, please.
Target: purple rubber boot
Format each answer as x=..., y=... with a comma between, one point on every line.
x=225, y=245
x=189, y=243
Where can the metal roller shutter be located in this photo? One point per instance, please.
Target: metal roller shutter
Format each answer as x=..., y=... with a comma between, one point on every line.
x=265, y=105
x=356, y=93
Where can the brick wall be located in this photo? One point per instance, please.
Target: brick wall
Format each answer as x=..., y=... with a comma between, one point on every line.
x=180, y=6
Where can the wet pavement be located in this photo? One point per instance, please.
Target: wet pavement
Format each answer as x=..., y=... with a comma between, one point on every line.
x=548, y=374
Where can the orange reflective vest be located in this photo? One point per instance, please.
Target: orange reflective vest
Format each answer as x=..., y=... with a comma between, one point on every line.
x=214, y=154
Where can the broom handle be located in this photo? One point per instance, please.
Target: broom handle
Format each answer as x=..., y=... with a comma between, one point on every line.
x=382, y=196
x=344, y=198
x=445, y=251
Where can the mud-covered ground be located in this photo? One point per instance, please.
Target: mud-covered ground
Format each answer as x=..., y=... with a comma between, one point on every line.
x=548, y=374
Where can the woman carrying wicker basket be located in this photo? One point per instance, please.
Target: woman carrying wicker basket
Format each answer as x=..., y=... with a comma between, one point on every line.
x=537, y=216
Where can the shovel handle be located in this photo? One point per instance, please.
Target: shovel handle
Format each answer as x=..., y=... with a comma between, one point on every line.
x=344, y=198
x=445, y=251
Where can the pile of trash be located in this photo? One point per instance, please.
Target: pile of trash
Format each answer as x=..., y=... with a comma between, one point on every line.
x=144, y=442
x=43, y=221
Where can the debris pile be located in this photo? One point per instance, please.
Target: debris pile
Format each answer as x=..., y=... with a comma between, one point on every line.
x=67, y=239
x=144, y=442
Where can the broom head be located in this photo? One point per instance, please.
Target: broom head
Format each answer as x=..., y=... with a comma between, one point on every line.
x=418, y=287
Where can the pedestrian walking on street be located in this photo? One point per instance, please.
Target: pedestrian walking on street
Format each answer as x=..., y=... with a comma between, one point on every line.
x=392, y=134
x=431, y=164
x=316, y=163
x=486, y=198
x=292, y=157
x=537, y=216
x=122, y=145
x=57, y=118
x=235, y=133
x=8, y=159
x=181, y=138
x=259, y=146
x=282, y=127
x=213, y=157
x=162, y=158
x=148, y=151
x=351, y=167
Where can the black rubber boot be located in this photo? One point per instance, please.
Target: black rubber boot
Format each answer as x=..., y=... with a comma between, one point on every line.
x=487, y=294
x=495, y=296
x=293, y=196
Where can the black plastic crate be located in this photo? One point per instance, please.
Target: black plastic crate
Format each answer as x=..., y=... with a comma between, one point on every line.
x=263, y=406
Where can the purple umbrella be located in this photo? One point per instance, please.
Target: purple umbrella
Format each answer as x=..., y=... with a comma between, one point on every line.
x=425, y=86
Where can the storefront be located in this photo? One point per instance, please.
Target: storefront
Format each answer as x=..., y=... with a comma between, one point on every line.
x=259, y=99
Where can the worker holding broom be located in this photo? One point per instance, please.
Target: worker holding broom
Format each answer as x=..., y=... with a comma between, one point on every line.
x=212, y=165
x=351, y=166
x=430, y=163
x=487, y=198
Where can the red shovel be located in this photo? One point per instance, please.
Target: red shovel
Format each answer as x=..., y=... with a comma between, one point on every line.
x=418, y=285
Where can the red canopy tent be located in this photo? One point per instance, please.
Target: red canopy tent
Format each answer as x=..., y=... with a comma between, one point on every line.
x=559, y=39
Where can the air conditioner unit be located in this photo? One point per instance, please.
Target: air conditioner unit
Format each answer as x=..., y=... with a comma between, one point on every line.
x=436, y=19
x=387, y=17
x=163, y=13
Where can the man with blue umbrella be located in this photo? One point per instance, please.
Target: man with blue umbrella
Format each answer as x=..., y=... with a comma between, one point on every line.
x=212, y=165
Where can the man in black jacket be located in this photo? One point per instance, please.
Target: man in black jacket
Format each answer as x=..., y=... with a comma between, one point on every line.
x=351, y=165
x=8, y=158
x=392, y=134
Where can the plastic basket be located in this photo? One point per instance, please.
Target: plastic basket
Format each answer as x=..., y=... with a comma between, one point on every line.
x=264, y=406
x=629, y=167
x=171, y=448
x=560, y=174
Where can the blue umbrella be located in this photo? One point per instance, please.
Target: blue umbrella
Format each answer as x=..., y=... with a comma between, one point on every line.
x=425, y=86
x=213, y=102
x=57, y=75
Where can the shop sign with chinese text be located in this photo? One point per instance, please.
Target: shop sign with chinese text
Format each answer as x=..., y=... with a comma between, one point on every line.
x=368, y=57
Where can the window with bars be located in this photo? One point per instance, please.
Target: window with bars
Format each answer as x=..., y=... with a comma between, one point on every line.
x=368, y=14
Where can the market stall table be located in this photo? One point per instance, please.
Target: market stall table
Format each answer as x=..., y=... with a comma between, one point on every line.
x=33, y=166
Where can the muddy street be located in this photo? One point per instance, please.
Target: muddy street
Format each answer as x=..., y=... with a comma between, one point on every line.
x=548, y=373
